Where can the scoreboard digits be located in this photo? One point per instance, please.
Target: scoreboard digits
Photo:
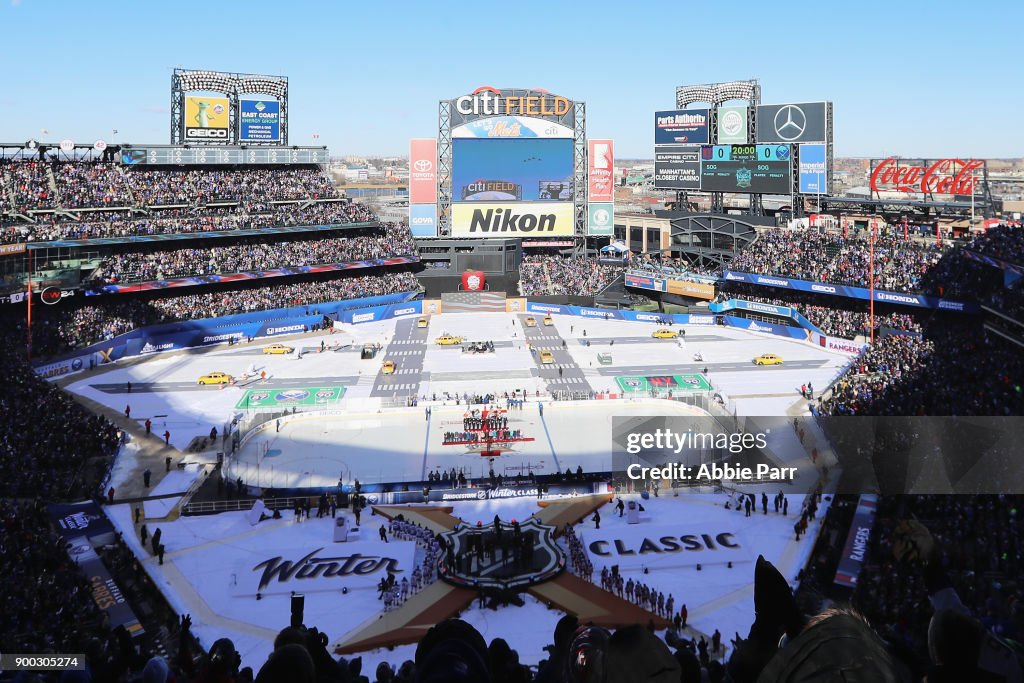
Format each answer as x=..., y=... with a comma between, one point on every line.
x=757, y=169
x=746, y=152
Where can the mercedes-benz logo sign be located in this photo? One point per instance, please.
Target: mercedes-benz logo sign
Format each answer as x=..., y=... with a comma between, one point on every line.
x=790, y=122
x=423, y=165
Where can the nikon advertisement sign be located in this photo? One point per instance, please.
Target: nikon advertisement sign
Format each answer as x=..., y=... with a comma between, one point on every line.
x=518, y=219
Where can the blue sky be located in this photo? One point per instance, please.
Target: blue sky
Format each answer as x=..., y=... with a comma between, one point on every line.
x=937, y=78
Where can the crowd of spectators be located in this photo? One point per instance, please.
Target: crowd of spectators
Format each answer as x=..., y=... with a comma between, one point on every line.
x=680, y=267
x=34, y=185
x=47, y=603
x=75, y=328
x=835, y=316
x=393, y=240
x=50, y=447
x=972, y=547
x=900, y=263
x=564, y=275
x=114, y=224
x=954, y=370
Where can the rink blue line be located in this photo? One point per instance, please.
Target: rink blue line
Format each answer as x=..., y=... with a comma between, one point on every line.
x=551, y=444
x=426, y=445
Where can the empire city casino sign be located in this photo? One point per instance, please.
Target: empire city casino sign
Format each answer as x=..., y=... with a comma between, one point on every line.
x=488, y=101
x=945, y=176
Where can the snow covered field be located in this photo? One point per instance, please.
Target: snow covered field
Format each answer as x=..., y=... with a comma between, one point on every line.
x=214, y=564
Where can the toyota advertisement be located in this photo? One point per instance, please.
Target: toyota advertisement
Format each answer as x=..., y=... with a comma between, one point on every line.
x=682, y=127
x=788, y=123
x=755, y=169
x=423, y=171
x=542, y=169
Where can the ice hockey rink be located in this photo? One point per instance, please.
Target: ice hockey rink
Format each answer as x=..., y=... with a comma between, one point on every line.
x=351, y=422
x=163, y=387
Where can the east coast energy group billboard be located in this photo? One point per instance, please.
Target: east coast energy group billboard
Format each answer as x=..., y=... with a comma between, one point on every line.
x=259, y=120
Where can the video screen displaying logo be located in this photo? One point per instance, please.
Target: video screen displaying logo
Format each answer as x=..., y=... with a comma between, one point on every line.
x=541, y=169
x=491, y=191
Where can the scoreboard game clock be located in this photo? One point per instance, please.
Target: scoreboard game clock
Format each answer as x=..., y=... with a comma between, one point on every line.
x=756, y=169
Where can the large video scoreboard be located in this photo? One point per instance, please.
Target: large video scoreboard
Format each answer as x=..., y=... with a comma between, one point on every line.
x=761, y=169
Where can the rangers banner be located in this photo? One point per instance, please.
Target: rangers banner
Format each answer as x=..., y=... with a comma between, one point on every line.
x=423, y=171
x=856, y=547
x=601, y=169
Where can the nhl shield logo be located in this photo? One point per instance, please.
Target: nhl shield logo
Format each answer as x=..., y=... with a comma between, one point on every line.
x=513, y=556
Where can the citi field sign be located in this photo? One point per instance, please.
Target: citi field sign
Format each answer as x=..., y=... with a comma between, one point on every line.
x=489, y=101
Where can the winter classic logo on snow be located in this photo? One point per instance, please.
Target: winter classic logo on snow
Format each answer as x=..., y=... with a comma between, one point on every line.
x=312, y=567
x=259, y=396
x=325, y=393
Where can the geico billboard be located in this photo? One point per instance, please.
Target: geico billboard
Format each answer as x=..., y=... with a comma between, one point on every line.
x=206, y=118
x=527, y=219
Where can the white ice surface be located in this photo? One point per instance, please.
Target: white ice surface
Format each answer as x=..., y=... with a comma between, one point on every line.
x=208, y=570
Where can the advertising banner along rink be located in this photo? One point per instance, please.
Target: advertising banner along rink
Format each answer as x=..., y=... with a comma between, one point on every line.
x=207, y=119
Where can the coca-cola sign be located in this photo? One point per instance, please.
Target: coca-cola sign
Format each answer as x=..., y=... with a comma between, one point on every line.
x=945, y=176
